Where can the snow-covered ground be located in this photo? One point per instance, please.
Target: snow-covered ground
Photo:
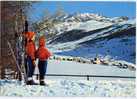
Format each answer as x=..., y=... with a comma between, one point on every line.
x=75, y=86
x=74, y=68
x=64, y=87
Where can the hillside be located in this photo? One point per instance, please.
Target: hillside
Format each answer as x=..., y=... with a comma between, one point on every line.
x=90, y=35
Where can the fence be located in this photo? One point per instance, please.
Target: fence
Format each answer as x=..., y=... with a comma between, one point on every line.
x=89, y=76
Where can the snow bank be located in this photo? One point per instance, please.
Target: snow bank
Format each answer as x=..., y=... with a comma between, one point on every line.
x=62, y=87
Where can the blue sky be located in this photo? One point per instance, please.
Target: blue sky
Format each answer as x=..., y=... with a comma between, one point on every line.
x=109, y=9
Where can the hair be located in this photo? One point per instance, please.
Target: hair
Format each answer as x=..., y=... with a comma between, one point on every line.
x=43, y=37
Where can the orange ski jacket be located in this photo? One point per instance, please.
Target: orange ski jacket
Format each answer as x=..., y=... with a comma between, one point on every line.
x=42, y=52
x=30, y=45
x=31, y=49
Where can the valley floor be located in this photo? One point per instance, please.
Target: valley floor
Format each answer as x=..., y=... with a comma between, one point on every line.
x=67, y=86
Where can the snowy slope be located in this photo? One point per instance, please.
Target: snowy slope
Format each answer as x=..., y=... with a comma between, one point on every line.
x=118, y=49
x=85, y=21
x=95, y=36
x=64, y=87
x=88, y=26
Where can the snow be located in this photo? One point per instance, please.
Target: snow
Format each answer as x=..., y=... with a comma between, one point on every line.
x=93, y=25
x=80, y=86
x=131, y=21
x=116, y=48
x=75, y=86
x=58, y=67
x=87, y=26
x=70, y=67
x=64, y=87
x=72, y=44
x=85, y=21
x=119, y=48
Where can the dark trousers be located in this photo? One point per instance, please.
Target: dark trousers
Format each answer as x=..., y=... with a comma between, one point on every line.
x=42, y=65
x=31, y=67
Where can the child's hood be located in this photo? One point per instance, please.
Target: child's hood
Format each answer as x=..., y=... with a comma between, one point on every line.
x=42, y=41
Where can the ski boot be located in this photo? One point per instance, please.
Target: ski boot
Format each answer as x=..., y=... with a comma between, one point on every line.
x=31, y=82
x=42, y=83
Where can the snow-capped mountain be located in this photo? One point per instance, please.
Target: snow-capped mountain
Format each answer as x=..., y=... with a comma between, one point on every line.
x=89, y=35
x=83, y=17
x=86, y=21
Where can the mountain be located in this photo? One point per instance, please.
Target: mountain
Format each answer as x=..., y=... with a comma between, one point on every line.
x=90, y=35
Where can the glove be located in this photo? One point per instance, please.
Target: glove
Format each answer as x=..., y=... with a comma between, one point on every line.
x=33, y=62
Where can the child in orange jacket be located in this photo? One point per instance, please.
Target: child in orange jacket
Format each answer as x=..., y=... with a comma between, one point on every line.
x=30, y=51
x=42, y=54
